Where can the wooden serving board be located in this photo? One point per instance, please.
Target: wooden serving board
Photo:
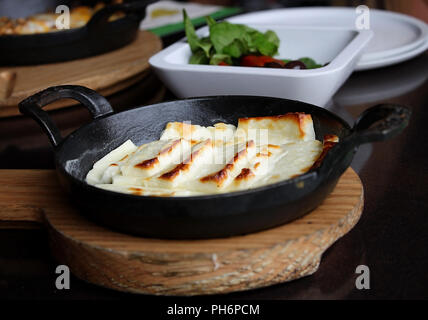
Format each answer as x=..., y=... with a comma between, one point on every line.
x=172, y=267
x=106, y=73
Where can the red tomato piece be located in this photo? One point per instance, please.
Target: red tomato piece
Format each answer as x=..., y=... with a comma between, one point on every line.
x=259, y=61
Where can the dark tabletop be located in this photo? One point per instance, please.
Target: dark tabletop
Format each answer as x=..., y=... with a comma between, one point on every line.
x=391, y=237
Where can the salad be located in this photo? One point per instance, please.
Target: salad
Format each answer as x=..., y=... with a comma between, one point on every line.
x=231, y=44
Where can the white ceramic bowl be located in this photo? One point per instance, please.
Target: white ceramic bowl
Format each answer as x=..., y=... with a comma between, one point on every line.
x=340, y=47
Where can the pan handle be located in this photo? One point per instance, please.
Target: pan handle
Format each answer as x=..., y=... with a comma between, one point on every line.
x=381, y=122
x=100, y=18
x=32, y=106
x=378, y=123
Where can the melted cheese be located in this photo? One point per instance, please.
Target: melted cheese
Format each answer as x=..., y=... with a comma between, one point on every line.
x=191, y=132
x=277, y=130
x=143, y=191
x=296, y=159
x=191, y=160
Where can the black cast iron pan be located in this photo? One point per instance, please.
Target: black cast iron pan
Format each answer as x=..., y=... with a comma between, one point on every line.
x=96, y=37
x=203, y=216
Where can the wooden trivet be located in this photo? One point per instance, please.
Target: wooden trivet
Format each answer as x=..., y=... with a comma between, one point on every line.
x=170, y=267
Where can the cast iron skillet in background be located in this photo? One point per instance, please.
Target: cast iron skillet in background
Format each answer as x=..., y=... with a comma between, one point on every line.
x=96, y=37
x=203, y=216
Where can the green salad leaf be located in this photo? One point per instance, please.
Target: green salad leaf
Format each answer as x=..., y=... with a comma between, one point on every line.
x=219, y=57
x=206, y=45
x=199, y=57
x=192, y=38
x=310, y=63
x=228, y=42
x=224, y=33
x=266, y=43
x=236, y=48
x=210, y=21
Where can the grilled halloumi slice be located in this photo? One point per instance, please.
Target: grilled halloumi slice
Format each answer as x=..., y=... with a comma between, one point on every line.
x=80, y=16
x=173, y=171
x=209, y=168
x=188, y=131
x=33, y=26
x=95, y=176
x=195, y=160
x=297, y=158
x=257, y=167
x=277, y=130
x=155, y=157
x=227, y=163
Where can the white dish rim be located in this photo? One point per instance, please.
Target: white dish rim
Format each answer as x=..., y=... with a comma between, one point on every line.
x=366, y=58
x=392, y=60
x=339, y=62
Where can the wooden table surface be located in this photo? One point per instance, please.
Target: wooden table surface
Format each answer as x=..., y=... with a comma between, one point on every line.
x=391, y=237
